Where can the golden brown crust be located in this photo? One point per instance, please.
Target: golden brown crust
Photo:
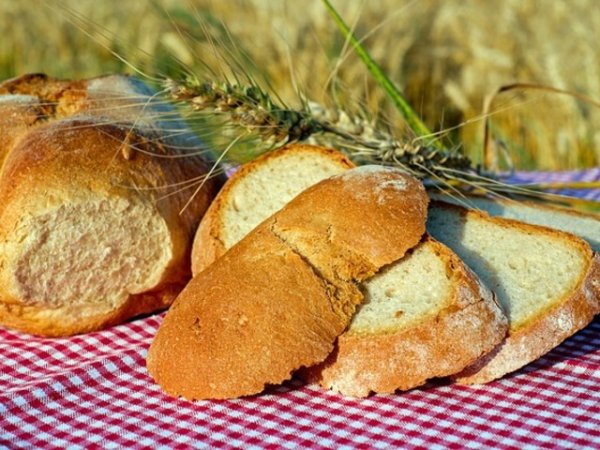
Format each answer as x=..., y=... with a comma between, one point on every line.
x=208, y=243
x=60, y=161
x=467, y=328
x=36, y=84
x=67, y=321
x=207, y=246
x=17, y=116
x=248, y=320
x=269, y=306
x=539, y=337
x=352, y=223
x=42, y=158
x=58, y=98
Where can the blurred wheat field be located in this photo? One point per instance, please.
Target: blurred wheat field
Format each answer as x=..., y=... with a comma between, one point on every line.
x=446, y=55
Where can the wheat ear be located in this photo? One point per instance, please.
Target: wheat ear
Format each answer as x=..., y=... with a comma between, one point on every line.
x=253, y=109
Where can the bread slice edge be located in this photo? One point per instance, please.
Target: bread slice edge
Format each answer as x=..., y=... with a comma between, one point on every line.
x=468, y=327
x=531, y=342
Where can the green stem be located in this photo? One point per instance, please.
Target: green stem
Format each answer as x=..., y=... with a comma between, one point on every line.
x=411, y=117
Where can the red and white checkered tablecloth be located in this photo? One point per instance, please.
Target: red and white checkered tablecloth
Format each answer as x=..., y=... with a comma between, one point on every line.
x=93, y=391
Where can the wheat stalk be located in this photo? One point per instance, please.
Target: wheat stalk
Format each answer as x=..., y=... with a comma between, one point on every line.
x=253, y=109
x=255, y=112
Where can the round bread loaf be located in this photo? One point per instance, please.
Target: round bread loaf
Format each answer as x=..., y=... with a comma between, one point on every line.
x=93, y=229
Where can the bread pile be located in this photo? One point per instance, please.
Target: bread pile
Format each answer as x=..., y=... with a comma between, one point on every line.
x=285, y=282
x=303, y=264
x=91, y=229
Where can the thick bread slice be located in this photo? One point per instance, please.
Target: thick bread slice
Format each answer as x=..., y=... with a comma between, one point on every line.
x=424, y=316
x=90, y=227
x=278, y=299
x=545, y=281
x=252, y=195
x=585, y=225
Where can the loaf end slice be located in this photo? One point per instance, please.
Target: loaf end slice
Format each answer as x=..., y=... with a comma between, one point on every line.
x=268, y=307
x=247, y=321
x=424, y=316
x=546, y=282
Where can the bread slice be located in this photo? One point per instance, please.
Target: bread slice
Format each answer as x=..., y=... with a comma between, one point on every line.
x=424, y=316
x=278, y=299
x=91, y=229
x=256, y=191
x=545, y=281
x=582, y=224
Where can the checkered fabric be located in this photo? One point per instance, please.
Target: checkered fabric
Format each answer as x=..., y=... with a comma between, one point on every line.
x=93, y=391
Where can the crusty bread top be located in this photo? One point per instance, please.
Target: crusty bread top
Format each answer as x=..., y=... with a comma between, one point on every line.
x=116, y=97
x=109, y=99
x=57, y=98
x=351, y=239
x=256, y=191
x=278, y=299
x=19, y=113
x=251, y=318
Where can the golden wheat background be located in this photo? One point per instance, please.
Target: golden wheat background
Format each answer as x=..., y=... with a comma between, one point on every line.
x=446, y=55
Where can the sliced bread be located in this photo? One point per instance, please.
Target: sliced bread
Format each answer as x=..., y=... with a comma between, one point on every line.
x=585, y=225
x=545, y=281
x=252, y=195
x=424, y=316
x=278, y=299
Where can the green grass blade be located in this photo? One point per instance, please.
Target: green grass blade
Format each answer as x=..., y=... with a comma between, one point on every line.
x=411, y=117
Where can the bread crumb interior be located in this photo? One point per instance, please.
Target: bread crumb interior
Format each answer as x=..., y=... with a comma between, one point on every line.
x=410, y=290
x=529, y=272
x=261, y=193
x=62, y=257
